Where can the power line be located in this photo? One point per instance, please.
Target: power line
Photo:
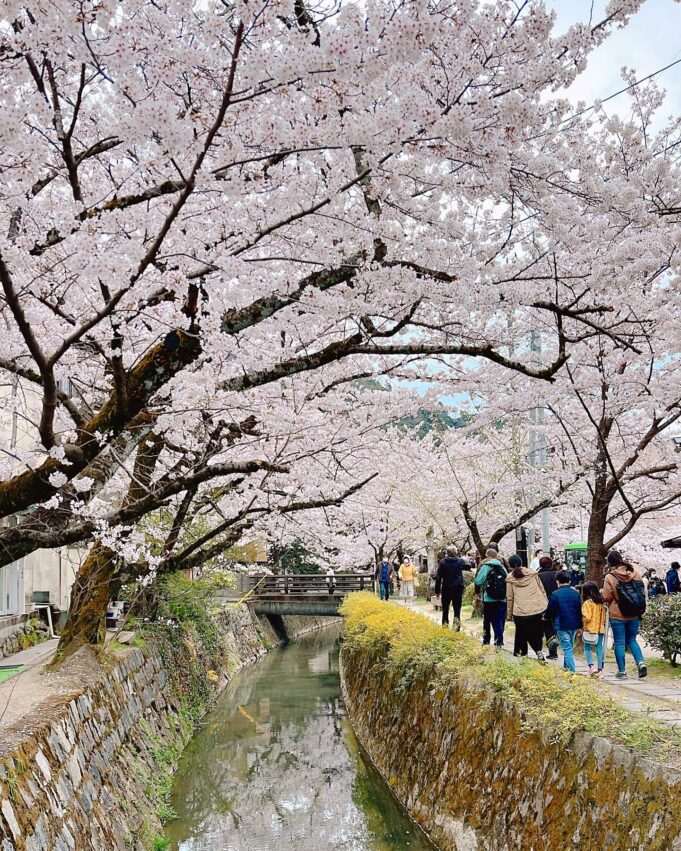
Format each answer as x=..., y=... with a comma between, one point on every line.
x=622, y=91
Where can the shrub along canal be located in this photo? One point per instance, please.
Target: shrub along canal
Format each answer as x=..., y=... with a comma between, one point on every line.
x=276, y=765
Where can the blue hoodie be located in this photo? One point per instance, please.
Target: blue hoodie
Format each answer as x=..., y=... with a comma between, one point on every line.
x=565, y=608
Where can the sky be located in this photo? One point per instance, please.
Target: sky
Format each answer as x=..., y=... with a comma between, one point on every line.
x=650, y=41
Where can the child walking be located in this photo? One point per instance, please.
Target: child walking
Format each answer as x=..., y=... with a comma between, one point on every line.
x=565, y=611
x=593, y=635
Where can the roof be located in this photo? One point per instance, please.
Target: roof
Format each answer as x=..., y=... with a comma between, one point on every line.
x=672, y=543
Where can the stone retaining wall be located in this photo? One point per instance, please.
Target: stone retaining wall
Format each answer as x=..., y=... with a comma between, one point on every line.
x=86, y=773
x=473, y=777
x=21, y=631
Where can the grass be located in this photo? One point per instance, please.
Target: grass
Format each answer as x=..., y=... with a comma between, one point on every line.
x=7, y=671
x=662, y=669
x=415, y=648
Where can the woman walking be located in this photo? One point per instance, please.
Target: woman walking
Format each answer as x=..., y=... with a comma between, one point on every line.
x=623, y=592
x=527, y=602
x=593, y=633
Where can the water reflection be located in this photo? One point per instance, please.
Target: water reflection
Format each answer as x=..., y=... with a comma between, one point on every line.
x=277, y=767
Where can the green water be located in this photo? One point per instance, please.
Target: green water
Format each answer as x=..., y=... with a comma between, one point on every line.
x=277, y=767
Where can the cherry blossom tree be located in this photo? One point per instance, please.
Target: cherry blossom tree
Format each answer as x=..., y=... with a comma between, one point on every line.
x=206, y=208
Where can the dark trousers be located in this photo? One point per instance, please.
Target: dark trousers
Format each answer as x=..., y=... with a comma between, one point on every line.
x=494, y=616
x=550, y=633
x=386, y=588
x=454, y=596
x=528, y=630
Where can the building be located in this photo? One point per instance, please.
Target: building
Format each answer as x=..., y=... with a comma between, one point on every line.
x=51, y=572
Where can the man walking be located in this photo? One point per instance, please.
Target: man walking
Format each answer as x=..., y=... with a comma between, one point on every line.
x=491, y=578
x=672, y=579
x=384, y=575
x=547, y=575
x=449, y=585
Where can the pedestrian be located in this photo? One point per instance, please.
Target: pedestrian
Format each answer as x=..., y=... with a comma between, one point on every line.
x=449, y=585
x=407, y=573
x=384, y=575
x=655, y=587
x=625, y=596
x=331, y=579
x=565, y=610
x=672, y=579
x=576, y=575
x=534, y=564
x=548, y=570
x=495, y=546
x=491, y=579
x=593, y=627
x=527, y=602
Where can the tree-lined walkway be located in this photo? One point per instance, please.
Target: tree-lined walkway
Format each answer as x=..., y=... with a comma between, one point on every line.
x=658, y=698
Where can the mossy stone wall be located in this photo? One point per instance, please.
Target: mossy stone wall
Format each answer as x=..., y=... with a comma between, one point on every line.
x=474, y=777
x=91, y=771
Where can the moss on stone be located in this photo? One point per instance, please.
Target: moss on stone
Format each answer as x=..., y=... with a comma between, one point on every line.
x=496, y=753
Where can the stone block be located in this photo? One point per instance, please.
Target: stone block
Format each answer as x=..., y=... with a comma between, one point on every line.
x=10, y=818
x=43, y=765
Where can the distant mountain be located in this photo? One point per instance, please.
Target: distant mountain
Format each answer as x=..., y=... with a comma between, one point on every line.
x=424, y=422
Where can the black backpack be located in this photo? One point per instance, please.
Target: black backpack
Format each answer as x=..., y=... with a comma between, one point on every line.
x=631, y=598
x=495, y=582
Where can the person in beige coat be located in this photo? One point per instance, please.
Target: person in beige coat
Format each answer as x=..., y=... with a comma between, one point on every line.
x=527, y=602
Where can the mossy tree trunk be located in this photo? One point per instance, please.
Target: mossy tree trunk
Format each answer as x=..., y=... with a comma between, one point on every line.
x=86, y=620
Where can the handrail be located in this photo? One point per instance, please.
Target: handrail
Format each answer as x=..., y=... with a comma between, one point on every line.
x=302, y=583
x=250, y=590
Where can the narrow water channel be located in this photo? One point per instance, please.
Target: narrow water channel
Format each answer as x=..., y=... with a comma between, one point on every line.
x=277, y=767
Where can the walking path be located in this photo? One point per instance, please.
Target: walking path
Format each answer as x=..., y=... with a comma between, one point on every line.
x=23, y=694
x=659, y=698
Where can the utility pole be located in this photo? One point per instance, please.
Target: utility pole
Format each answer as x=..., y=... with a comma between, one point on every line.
x=537, y=459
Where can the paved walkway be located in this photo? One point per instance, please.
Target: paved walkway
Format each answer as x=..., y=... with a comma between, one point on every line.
x=659, y=698
x=22, y=695
x=22, y=692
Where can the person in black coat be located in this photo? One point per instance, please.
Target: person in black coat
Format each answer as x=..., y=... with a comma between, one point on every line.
x=547, y=574
x=449, y=584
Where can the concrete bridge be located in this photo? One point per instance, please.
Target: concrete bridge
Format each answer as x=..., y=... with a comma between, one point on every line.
x=304, y=593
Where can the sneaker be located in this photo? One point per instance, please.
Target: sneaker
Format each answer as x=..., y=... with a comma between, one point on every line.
x=642, y=670
x=591, y=670
x=621, y=675
x=541, y=658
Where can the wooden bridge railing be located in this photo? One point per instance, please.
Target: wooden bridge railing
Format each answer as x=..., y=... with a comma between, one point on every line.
x=310, y=583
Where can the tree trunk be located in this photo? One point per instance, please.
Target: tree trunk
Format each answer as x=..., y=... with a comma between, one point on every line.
x=92, y=589
x=86, y=620
x=596, y=552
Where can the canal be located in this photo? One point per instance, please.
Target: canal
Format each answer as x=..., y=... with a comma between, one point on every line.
x=277, y=766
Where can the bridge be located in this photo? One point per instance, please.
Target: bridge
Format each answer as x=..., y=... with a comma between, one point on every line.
x=304, y=593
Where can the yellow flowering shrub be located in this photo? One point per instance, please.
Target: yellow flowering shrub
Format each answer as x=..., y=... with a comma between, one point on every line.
x=415, y=646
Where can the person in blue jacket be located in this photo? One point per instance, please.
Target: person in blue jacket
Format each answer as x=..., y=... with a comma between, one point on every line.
x=672, y=579
x=385, y=574
x=565, y=610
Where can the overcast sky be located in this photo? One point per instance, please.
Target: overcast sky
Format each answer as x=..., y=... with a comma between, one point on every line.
x=650, y=41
